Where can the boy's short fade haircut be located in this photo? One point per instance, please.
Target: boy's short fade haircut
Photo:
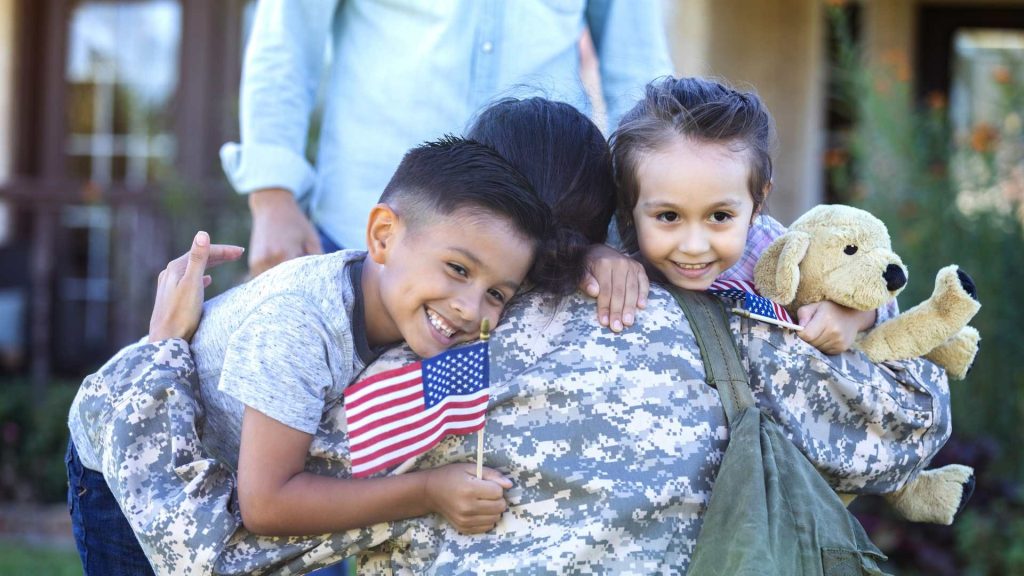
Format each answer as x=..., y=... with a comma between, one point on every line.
x=441, y=177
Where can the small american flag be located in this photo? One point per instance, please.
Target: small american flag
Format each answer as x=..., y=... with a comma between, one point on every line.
x=752, y=304
x=400, y=413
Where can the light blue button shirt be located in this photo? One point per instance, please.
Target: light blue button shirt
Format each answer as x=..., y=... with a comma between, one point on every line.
x=406, y=71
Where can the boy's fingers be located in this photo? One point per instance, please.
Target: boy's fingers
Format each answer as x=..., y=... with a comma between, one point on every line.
x=497, y=477
x=488, y=508
x=490, y=491
x=207, y=280
x=221, y=253
x=197, y=256
x=478, y=528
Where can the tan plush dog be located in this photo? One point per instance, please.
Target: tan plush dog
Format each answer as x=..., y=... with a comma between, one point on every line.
x=844, y=254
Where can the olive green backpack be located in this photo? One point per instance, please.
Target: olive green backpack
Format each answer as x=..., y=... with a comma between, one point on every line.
x=771, y=512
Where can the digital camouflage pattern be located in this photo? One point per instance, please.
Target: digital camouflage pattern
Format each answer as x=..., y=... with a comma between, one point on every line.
x=612, y=441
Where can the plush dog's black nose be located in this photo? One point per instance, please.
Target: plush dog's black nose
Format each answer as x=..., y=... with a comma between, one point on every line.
x=894, y=277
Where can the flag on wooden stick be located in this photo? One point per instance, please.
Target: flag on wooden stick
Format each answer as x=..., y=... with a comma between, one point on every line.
x=401, y=413
x=751, y=304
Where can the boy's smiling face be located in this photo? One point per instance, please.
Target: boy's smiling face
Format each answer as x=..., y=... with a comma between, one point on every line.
x=431, y=283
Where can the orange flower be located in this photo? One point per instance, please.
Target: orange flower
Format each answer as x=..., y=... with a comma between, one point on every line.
x=936, y=100
x=836, y=158
x=897, y=62
x=1001, y=75
x=984, y=137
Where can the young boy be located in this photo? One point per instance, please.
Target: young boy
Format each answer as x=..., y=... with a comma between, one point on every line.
x=452, y=239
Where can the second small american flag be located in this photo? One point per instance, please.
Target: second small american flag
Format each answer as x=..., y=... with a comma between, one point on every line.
x=400, y=413
x=751, y=303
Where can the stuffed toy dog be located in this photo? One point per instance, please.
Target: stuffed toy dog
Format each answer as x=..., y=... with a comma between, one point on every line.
x=844, y=254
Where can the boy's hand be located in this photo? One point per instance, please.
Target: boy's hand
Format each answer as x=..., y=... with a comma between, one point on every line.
x=618, y=282
x=472, y=506
x=179, y=288
x=830, y=327
x=280, y=231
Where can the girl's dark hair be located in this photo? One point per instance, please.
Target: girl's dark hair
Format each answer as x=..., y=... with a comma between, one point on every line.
x=566, y=159
x=698, y=109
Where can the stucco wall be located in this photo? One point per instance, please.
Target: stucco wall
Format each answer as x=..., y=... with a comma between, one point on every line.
x=778, y=48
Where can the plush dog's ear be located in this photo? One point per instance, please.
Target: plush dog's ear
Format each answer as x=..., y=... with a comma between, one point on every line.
x=777, y=274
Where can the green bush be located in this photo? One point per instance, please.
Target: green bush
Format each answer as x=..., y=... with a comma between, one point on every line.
x=34, y=434
x=951, y=196
x=18, y=559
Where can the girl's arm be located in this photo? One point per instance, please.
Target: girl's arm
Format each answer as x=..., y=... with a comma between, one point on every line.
x=277, y=497
x=833, y=328
x=828, y=326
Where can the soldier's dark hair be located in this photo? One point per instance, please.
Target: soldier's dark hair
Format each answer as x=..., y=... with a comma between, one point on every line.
x=697, y=109
x=441, y=177
x=566, y=159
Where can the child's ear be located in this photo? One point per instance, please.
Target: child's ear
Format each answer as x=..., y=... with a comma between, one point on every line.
x=381, y=231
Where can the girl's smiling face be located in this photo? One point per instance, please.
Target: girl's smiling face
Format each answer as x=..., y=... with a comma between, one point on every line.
x=693, y=210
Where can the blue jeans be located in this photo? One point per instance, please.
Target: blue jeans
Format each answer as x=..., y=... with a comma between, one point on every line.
x=104, y=538
x=105, y=541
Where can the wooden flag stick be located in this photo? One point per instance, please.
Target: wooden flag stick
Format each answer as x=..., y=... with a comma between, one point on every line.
x=485, y=334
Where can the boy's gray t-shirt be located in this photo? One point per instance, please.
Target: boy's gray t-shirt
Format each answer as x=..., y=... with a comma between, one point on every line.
x=286, y=344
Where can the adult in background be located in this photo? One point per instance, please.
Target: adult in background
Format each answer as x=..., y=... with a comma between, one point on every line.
x=401, y=72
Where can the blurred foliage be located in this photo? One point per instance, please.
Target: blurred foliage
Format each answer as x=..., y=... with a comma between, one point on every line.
x=33, y=440
x=18, y=559
x=188, y=208
x=949, y=197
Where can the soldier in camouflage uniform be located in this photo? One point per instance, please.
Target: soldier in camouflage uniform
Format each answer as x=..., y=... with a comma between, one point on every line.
x=612, y=440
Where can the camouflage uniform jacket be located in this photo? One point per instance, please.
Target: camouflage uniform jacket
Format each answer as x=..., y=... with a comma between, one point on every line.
x=612, y=441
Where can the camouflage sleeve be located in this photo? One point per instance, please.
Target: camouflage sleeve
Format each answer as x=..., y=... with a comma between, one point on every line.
x=100, y=392
x=868, y=428
x=612, y=441
x=141, y=412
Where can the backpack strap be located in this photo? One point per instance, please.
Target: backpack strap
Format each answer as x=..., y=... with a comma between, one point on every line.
x=722, y=365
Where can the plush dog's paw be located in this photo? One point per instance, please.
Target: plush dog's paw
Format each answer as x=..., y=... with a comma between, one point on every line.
x=955, y=296
x=968, y=491
x=957, y=354
x=935, y=496
x=967, y=283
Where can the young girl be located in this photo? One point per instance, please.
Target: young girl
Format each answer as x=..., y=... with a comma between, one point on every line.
x=693, y=168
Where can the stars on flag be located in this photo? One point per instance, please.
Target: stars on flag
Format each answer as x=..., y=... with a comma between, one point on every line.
x=751, y=304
